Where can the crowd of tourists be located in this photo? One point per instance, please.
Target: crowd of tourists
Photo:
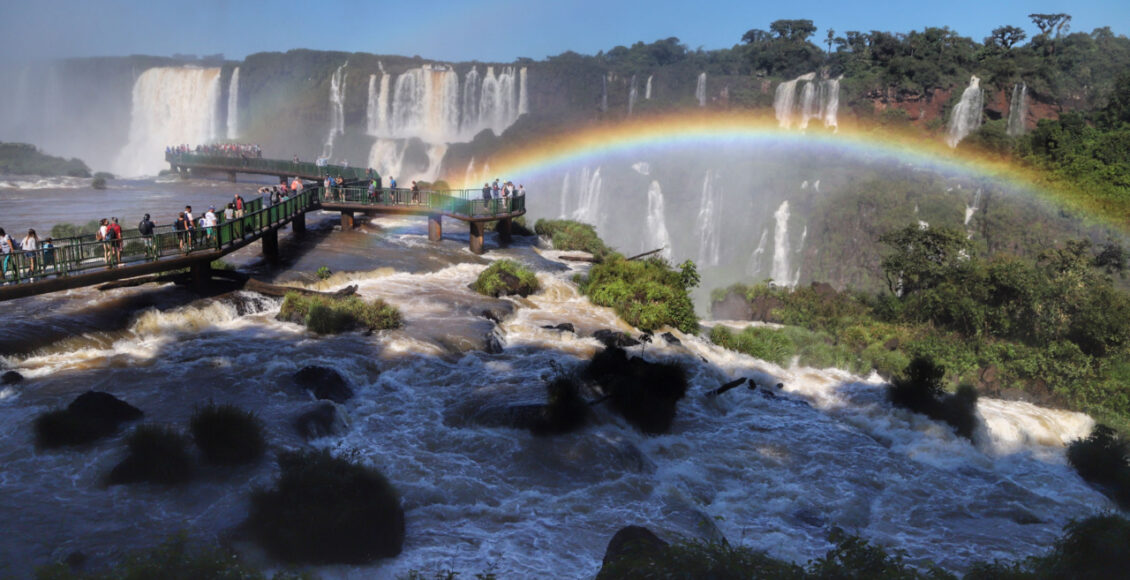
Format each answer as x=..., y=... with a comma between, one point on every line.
x=504, y=190
x=237, y=150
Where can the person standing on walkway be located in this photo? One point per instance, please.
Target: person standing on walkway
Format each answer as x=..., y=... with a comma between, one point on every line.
x=181, y=229
x=116, y=240
x=145, y=228
x=30, y=244
x=7, y=245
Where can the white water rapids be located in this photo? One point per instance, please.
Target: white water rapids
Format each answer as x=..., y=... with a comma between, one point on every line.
x=773, y=473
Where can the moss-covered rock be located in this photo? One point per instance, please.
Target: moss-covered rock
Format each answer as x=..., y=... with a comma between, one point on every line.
x=332, y=315
x=504, y=278
x=572, y=236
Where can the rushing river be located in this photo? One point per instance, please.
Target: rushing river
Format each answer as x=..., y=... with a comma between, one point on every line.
x=772, y=473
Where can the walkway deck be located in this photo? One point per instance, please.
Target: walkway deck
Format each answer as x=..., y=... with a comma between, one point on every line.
x=85, y=261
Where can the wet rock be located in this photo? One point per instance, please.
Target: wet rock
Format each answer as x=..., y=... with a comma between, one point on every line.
x=631, y=549
x=809, y=517
x=322, y=421
x=612, y=338
x=324, y=383
x=91, y=416
x=11, y=378
x=670, y=338
x=644, y=393
x=498, y=311
x=563, y=327
x=492, y=343
x=645, y=337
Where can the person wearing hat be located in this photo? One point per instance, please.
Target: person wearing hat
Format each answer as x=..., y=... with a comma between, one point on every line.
x=145, y=228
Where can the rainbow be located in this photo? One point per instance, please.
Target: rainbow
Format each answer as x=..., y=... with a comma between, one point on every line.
x=556, y=152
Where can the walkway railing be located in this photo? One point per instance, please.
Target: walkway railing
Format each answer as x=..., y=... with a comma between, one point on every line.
x=78, y=255
x=271, y=166
x=466, y=203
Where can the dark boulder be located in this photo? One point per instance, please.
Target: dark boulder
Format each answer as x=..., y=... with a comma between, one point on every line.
x=324, y=383
x=633, y=549
x=733, y=306
x=612, y=338
x=563, y=327
x=321, y=421
x=644, y=393
x=765, y=308
x=670, y=338
x=11, y=378
x=157, y=454
x=91, y=416
x=492, y=343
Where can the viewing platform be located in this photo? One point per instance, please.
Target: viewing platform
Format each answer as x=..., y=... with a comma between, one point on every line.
x=85, y=261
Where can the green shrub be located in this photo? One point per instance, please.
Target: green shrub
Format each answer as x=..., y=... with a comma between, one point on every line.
x=104, y=175
x=330, y=315
x=157, y=454
x=61, y=428
x=505, y=277
x=325, y=510
x=1101, y=459
x=647, y=294
x=227, y=435
x=694, y=559
x=565, y=409
x=759, y=342
x=324, y=272
x=572, y=236
x=645, y=393
x=98, y=183
x=920, y=389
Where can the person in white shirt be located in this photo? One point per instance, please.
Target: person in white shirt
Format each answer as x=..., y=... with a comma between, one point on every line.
x=209, y=223
x=30, y=243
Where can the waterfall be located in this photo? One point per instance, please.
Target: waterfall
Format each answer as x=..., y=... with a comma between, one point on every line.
x=832, y=104
x=784, y=100
x=337, y=109
x=382, y=103
x=966, y=116
x=657, y=221
x=709, y=212
x=647, y=90
x=435, y=162
x=523, y=96
x=972, y=207
x=808, y=103
x=604, y=94
x=498, y=109
x=425, y=104
x=700, y=90
x=588, y=206
x=633, y=94
x=780, y=271
x=798, y=251
x=233, y=105
x=171, y=106
x=755, y=258
x=471, y=95
x=564, y=197
x=372, y=122
x=1018, y=110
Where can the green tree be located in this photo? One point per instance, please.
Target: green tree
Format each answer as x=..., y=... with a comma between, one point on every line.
x=1006, y=37
x=923, y=257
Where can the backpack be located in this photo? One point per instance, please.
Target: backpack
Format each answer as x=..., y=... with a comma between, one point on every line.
x=114, y=232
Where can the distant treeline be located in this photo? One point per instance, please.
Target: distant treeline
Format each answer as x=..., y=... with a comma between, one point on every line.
x=24, y=159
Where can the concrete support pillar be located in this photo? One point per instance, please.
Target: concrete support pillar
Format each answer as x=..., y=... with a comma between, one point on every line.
x=298, y=224
x=201, y=274
x=435, y=227
x=346, y=221
x=503, y=228
x=271, y=246
x=477, y=237
x=231, y=176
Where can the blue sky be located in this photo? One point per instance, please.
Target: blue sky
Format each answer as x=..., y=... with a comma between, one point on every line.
x=485, y=30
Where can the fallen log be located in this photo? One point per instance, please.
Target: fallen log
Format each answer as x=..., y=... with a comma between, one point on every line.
x=589, y=259
x=730, y=385
x=645, y=254
x=280, y=291
x=141, y=280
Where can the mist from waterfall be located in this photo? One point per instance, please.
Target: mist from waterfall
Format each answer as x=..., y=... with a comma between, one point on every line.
x=170, y=106
x=754, y=269
x=647, y=90
x=337, y=109
x=233, y=105
x=1018, y=110
x=966, y=116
